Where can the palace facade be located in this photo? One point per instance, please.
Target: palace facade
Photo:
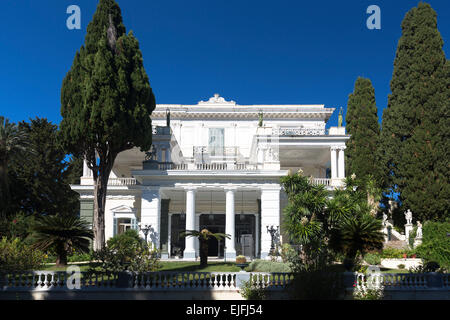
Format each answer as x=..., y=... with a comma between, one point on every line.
x=217, y=165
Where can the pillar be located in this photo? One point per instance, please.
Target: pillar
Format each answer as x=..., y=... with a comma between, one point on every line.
x=189, y=251
x=151, y=214
x=341, y=163
x=230, y=225
x=270, y=215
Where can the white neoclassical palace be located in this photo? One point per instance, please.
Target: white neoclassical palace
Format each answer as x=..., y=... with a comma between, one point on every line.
x=217, y=165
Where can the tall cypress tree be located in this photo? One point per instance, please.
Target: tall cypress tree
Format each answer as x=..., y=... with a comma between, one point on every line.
x=106, y=102
x=415, y=123
x=363, y=126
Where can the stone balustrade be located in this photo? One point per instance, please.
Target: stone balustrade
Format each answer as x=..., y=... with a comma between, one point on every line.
x=203, y=285
x=122, y=182
x=403, y=281
x=294, y=132
x=165, y=280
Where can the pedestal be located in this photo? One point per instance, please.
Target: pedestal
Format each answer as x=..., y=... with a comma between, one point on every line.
x=408, y=229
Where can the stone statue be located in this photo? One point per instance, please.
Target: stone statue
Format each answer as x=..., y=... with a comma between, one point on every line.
x=168, y=118
x=151, y=154
x=408, y=216
x=260, y=122
x=340, y=118
x=419, y=230
x=385, y=217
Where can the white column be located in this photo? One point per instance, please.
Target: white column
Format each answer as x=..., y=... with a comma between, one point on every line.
x=341, y=163
x=270, y=215
x=151, y=213
x=189, y=251
x=230, y=224
x=334, y=163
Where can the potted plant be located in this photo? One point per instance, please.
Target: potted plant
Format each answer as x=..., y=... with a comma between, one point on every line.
x=405, y=255
x=241, y=260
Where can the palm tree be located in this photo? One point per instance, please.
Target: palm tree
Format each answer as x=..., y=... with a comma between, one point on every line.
x=203, y=237
x=62, y=233
x=357, y=234
x=13, y=143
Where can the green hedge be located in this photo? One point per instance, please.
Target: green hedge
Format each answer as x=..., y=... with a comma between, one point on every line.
x=435, y=243
x=372, y=259
x=268, y=266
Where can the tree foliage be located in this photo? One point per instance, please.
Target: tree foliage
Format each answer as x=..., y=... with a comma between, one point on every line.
x=40, y=180
x=203, y=237
x=14, y=145
x=363, y=126
x=106, y=102
x=436, y=243
x=416, y=124
x=64, y=234
x=319, y=223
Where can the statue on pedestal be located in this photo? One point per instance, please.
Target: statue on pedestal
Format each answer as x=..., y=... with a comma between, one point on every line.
x=340, y=118
x=408, y=216
x=260, y=119
x=419, y=230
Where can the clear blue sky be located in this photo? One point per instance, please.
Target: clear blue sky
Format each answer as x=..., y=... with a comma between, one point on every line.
x=253, y=52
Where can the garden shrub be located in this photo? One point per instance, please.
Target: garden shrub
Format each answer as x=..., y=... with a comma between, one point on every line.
x=435, y=243
x=126, y=251
x=392, y=253
x=15, y=255
x=412, y=237
x=288, y=253
x=268, y=266
x=80, y=257
x=372, y=258
x=250, y=293
x=368, y=294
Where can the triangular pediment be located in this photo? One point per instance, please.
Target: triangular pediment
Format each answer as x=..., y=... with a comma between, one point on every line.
x=123, y=209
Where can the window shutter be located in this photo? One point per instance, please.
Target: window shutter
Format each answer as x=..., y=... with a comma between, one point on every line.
x=134, y=224
x=115, y=227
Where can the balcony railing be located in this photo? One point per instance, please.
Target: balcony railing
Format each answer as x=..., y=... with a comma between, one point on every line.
x=216, y=151
x=318, y=181
x=122, y=182
x=299, y=132
x=220, y=166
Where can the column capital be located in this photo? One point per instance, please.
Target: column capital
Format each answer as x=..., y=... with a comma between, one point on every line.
x=334, y=148
x=190, y=188
x=230, y=188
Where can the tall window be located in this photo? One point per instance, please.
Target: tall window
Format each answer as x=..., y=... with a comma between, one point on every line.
x=216, y=141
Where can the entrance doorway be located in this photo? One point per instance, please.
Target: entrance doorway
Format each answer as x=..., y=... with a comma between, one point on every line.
x=216, y=224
